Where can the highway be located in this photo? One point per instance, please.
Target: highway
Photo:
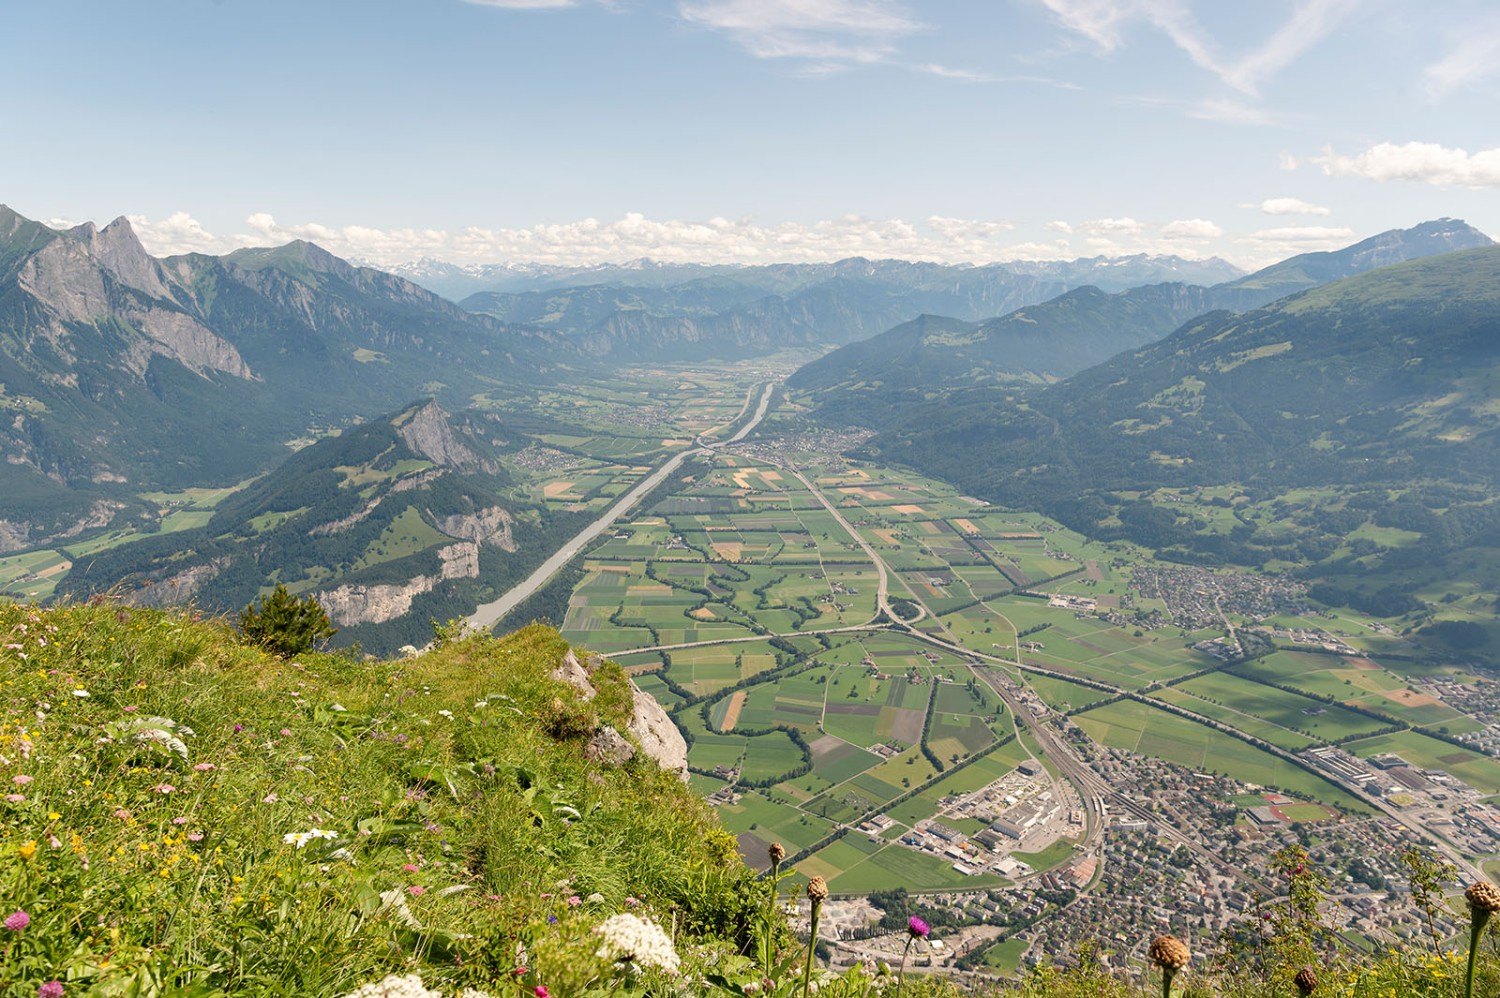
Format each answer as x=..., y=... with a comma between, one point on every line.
x=487, y=615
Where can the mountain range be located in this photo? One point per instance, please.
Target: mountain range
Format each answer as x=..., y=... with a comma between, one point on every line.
x=1060, y=337
x=730, y=313
x=1383, y=384
x=120, y=371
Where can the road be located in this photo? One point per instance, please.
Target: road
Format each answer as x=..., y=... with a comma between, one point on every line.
x=487, y=615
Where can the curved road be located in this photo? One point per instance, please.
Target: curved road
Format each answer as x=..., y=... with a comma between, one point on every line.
x=487, y=615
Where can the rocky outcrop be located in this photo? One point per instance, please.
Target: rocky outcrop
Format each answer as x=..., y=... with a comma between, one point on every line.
x=488, y=526
x=428, y=432
x=351, y=604
x=650, y=727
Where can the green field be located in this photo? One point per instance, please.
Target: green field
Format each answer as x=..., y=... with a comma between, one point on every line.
x=1149, y=731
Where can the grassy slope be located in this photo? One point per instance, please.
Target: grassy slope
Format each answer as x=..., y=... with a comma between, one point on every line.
x=135, y=863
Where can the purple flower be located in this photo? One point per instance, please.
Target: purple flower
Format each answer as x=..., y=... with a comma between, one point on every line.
x=416, y=890
x=286, y=732
x=52, y=989
x=917, y=928
x=17, y=920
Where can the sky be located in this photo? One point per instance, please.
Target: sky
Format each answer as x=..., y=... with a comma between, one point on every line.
x=753, y=131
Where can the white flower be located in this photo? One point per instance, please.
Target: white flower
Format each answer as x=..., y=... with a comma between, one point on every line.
x=410, y=986
x=300, y=839
x=445, y=713
x=81, y=694
x=638, y=941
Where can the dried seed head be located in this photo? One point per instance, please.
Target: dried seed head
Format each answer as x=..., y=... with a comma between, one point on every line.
x=777, y=853
x=1483, y=896
x=1169, y=953
x=1306, y=981
x=817, y=890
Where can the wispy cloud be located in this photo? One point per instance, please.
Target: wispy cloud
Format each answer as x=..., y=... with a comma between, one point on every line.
x=1104, y=23
x=1288, y=206
x=1425, y=162
x=1473, y=60
x=825, y=31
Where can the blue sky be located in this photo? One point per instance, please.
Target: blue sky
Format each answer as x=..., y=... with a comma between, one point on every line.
x=579, y=131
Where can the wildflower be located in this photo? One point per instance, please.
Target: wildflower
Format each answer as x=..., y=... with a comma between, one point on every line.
x=632, y=902
x=917, y=928
x=52, y=989
x=574, y=901
x=1306, y=981
x=270, y=798
x=541, y=991
x=16, y=921
x=1170, y=954
x=640, y=942
x=416, y=890
x=20, y=779
x=195, y=836
x=205, y=767
x=411, y=868
x=445, y=713
x=181, y=819
x=238, y=728
x=26, y=850
x=164, y=788
x=122, y=814
x=286, y=732
x=81, y=694
x=15, y=798
x=410, y=986
x=817, y=891
x=1484, y=901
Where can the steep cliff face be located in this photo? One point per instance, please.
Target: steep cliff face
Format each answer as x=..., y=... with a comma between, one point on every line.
x=355, y=604
x=650, y=727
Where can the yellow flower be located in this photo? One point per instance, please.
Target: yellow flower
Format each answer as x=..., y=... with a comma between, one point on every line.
x=27, y=849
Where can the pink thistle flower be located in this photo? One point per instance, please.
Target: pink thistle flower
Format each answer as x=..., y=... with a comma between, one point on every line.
x=195, y=836
x=17, y=920
x=541, y=991
x=411, y=868
x=416, y=890
x=52, y=989
x=21, y=779
x=917, y=928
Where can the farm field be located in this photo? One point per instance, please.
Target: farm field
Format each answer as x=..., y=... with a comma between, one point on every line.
x=1153, y=732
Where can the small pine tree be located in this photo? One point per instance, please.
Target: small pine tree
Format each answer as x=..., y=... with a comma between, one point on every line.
x=286, y=625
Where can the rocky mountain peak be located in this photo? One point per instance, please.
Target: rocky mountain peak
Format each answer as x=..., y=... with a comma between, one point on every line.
x=428, y=430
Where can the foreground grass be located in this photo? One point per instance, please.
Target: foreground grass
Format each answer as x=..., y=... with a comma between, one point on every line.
x=180, y=814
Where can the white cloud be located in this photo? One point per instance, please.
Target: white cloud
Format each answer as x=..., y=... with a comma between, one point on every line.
x=1287, y=162
x=1288, y=206
x=588, y=241
x=1058, y=226
x=1426, y=162
x=1104, y=21
x=828, y=31
x=1112, y=226
x=179, y=230
x=1475, y=59
x=1191, y=228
